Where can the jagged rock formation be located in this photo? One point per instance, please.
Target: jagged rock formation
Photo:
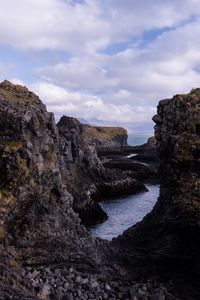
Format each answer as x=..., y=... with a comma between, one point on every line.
x=84, y=175
x=140, y=171
x=178, y=141
x=106, y=138
x=79, y=166
x=148, y=151
x=38, y=223
x=169, y=236
x=76, y=151
x=140, y=162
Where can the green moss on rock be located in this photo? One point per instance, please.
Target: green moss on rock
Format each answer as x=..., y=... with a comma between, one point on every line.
x=104, y=133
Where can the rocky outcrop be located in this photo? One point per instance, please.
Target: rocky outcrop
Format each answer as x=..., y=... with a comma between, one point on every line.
x=148, y=151
x=141, y=171
x=106, y=138
x=169, y=235
x=80, y=166
x=76, y=151
x=38, y=223
x=85, y=176
x=118, y=187
x=140, y=162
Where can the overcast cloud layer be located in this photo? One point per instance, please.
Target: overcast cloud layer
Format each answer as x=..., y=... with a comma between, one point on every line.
x=107, y=61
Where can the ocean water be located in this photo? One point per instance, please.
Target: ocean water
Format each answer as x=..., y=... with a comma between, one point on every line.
x=124, y=212
x=135, y=140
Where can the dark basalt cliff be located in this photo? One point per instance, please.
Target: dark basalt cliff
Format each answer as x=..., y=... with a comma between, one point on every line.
x=79, y=165
x=168, y=239
x=37, y=224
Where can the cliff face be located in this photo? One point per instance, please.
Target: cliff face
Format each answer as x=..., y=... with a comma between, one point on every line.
x=170, y=234
x=106, y=137
x=80, y=167
x=76, y=153
x=37, y=221
x=178, y=141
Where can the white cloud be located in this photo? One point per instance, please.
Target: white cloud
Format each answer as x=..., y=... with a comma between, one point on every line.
x=166, y=66
x=51, y=24
x=87, y=26
x=120, y=87
x=88, y=106
x=17, y=81
x=87, y=72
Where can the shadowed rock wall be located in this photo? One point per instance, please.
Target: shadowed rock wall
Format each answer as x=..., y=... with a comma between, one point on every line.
x=170, y=234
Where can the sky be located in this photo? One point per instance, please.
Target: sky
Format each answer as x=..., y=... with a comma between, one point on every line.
x=108, y=62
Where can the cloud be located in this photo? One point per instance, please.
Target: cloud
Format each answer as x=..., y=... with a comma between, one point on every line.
x=87, y=72
x=17, y=81
x=87, y=106
x=109, y=60
x=51, y=24
x=86, y=26
x=167, y=66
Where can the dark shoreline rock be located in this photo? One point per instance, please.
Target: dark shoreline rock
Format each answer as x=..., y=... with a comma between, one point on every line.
x=123, y=151
x=92, y=214
x=142, y=165
x=148, y=152
x=140, y=171
x=118, y=188
x=166, y=242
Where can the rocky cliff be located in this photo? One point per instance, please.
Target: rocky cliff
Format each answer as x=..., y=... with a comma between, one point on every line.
x=106, y=137
x=169, y=235
x=45, y=252
x=38, y=223
x=80, y=166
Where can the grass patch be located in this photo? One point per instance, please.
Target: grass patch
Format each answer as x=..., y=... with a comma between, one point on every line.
x=103, y=133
